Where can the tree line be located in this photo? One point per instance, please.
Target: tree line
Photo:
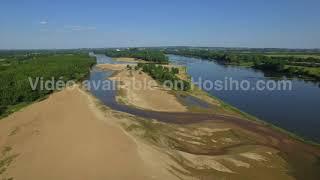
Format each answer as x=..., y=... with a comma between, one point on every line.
x=15, y=73
x=164, y=75
x=292, y=66
x=147, y=55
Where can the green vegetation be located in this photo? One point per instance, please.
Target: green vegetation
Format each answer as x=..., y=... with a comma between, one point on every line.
x=15, y=89
x=288, y=70
x=164, y=75
x=289, y=65
x=147, y=55
x=316, y=56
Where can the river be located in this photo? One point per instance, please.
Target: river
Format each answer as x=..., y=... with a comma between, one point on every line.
x=296, y=110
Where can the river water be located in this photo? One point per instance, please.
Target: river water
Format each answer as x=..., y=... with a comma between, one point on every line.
x=296, y=110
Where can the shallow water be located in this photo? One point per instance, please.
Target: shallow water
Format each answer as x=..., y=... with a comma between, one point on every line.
x=108, y=98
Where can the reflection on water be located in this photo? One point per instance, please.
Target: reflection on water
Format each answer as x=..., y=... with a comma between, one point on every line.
x=295, y=110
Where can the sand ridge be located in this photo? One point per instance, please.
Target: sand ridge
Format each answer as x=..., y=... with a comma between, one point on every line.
x=114, y=67
x=63, y=138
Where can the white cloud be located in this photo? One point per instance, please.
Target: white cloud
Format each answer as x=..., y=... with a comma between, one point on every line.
x=43, y=22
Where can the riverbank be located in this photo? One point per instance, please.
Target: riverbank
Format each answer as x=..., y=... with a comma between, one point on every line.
x=138, y=98
x=215, y=105
x=111, y=67
x=289, y=66
x=129, y=60
x=268, y=105
x=206, y=150
x=52, y=139
x=264, y=135
x=227, y=109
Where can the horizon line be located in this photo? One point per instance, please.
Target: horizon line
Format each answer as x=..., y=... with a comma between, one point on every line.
x=121, y=47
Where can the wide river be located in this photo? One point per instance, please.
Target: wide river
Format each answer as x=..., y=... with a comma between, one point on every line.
x=296, y=110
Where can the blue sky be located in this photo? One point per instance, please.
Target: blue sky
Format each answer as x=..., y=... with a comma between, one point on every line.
x=238, y=23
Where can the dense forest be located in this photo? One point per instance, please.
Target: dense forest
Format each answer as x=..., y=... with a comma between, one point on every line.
x=287, y=65
x=147, y=55
x=164, y=74
x=15, y=72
